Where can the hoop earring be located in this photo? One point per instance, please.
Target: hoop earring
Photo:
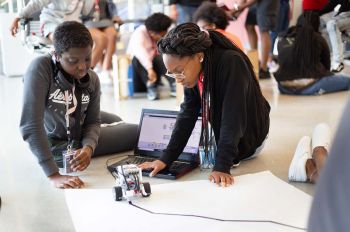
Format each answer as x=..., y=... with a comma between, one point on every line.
x=201, y=60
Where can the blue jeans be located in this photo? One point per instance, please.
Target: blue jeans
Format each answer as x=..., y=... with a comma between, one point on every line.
x=185, y=13
x=282, y=22
x=335, y=26
x=329, y=84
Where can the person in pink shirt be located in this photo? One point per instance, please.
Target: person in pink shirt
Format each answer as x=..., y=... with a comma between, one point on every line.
x=147, y=64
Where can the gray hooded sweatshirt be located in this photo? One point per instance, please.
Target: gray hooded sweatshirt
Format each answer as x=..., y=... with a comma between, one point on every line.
x=44, y=109
x=57, y=11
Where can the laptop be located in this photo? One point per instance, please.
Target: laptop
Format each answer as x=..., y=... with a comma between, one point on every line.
x=154, y=134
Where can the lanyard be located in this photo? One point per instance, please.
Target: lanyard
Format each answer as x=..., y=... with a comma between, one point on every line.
x=68, y=112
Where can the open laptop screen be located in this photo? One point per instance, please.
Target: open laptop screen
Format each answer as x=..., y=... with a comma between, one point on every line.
x=156, y=129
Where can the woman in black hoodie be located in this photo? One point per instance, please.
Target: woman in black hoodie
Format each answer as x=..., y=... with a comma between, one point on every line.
x=219, y=81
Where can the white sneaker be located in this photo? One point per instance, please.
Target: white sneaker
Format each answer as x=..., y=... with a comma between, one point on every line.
x=105, y=78
x=273, y=66
x=337, y=67
x=297, y=170
x=321, y=136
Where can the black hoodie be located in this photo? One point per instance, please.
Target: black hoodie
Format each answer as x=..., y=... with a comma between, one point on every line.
x=240, y=114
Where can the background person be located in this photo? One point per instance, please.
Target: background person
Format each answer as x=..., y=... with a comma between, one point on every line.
x=53, y=12
x=210, y=16
x=265, y=15
x=104, y=35
x=147, y=64
x=182, y=10
x=304, y=60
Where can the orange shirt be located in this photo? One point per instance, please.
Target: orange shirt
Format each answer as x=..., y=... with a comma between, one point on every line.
x=234, y=39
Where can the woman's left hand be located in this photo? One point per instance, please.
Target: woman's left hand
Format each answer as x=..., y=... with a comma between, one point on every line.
x=81, y=159
x=221, y=178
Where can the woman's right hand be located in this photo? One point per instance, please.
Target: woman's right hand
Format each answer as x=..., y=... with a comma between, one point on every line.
x=14, y=26
x=66, y=182
x=156, y=165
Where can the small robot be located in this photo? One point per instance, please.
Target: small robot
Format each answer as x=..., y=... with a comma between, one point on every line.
x=129, y=183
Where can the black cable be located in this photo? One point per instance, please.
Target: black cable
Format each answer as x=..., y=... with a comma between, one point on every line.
x=107, y=164
x=107, y=161
x=218, y=219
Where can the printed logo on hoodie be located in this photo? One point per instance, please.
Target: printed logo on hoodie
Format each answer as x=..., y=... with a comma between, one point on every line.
x=58, y=97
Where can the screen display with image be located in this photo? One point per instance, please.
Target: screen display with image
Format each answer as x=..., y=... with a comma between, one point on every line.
x=156, y=130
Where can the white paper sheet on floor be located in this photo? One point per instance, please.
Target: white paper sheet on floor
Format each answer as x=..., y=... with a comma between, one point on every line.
x=259, y=196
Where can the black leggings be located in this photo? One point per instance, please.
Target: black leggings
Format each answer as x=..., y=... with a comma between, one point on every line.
x=140, y=75
x=114, y=139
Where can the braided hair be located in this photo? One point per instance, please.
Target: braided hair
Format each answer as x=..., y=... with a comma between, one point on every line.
x=186, y=40
x=306, y=35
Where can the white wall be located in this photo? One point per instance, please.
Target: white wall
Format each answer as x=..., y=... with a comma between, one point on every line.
x=15, y=58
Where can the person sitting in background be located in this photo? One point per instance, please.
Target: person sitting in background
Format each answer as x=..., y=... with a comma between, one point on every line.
x=147, y=64
x=53, y=12
x=61, y=108
x=210, y=16
x=304, y=59
x=104, y=35
x=336, y=21
x=310, y=155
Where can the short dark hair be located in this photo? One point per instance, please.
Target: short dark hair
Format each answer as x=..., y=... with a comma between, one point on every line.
x=71, y=34
x=211, y=13
x=158, y=22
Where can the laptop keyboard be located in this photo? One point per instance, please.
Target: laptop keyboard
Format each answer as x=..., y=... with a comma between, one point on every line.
x=178, y=165
x=139, y=160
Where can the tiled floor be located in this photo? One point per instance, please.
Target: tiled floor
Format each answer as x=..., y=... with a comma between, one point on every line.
x=30, y=203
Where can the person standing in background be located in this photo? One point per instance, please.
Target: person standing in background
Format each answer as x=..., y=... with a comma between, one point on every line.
x=182, y=11
x=283, y=18
x=266, y=19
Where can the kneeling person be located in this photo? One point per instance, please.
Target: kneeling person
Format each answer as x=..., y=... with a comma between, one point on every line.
x=61, y=108
x=219, y=81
